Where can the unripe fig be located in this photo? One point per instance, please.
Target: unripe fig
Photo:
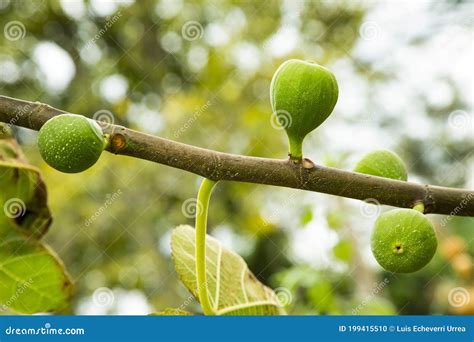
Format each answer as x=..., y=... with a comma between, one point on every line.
x=71, y=143
x=303, y=95
x=403, y=240
x=382, y=163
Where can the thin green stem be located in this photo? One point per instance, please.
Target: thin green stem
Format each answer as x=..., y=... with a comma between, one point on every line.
x=419, y=206
x=296, y=148
x=202, y=206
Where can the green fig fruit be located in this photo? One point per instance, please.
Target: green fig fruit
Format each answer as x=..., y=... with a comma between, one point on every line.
x=303, y=95
x=71, y=143
x=403, y=240
x=382, y=163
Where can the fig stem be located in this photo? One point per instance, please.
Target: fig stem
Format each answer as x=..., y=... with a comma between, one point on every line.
x=202, y=206
x=419, y=206
x=296, y=149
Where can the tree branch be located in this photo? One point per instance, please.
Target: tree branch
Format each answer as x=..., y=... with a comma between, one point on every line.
x=223, y=166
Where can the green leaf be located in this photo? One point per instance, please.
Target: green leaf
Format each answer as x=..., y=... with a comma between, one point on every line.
x=23, y=199
x=23, y=195
x=32, y=278
x=233, y=289
x=172, y=312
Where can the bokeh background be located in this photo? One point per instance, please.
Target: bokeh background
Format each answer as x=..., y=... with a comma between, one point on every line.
x=199, y=72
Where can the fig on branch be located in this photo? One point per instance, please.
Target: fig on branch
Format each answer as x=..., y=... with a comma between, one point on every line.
x=71, y=143
x=303, y=95
x=403, y=240
x=382, y=163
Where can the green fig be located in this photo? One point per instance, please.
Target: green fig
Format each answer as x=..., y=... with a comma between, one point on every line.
x=71, y=143
x=382, y=163
x=303, y=95
x=403, y=240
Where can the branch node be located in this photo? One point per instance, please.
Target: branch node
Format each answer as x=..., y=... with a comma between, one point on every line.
x=294, y=160
x=429, y=200
x=117, y=142
x=308, y=163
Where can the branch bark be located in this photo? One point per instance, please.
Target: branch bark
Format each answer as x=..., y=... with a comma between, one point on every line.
x=223, y=166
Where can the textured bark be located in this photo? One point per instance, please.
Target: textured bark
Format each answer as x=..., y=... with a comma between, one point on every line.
x=223, y=166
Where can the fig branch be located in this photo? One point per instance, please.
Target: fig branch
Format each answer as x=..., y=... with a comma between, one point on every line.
x=218, y=166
